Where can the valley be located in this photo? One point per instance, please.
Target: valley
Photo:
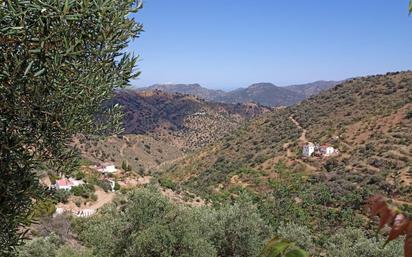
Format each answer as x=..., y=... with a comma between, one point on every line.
x=205, y=154
x=205, y=128
x=211, y=149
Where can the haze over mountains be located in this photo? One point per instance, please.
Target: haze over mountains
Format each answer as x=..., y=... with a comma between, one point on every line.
x=263, y=93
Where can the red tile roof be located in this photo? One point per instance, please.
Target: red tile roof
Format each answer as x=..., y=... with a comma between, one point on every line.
x=64, y=182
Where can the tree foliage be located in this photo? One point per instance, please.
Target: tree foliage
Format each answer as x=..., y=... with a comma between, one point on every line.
x=51, y=246
x=354, y=242
x=59, y=61
x=399, y=223
x=148, y=224
x=410, y=7
x=278, y=247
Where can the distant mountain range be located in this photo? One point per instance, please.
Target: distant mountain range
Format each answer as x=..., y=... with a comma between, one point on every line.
x=263, y=93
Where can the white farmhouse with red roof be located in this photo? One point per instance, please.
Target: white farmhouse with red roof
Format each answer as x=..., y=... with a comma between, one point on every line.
x=67, y=183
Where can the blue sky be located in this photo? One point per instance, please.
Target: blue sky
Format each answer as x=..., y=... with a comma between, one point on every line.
x=233, y=43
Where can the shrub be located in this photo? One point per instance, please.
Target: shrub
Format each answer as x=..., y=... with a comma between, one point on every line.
x=84, y=190
x=167, y=183
x=116, y=186
x=79, y=175
x=300, y=235
x=45, y=207
x=62, y=196
x=351, y=242
x=40, y=247
x=105, y=185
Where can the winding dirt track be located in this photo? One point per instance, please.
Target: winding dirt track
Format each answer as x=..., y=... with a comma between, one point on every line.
x=302, y=141
x=302, y=137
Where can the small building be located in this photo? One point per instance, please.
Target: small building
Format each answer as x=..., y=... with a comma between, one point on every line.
x=327, y=150
x=106, y=168
x=63, y=184
x=308, y=149
x=67, y=183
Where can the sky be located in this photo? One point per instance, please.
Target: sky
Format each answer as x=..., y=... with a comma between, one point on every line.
x=228, y=44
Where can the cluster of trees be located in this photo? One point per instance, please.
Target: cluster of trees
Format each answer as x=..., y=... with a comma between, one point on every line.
x=147, y=223
x=144, y=223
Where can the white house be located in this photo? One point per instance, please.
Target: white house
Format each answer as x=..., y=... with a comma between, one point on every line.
x=327, y=150
x=106, y=168
x=67, y=184
x=63, y=184
x=308, y=149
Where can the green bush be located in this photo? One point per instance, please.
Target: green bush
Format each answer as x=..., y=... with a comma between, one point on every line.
x=300, y=235
x=351, y=242
x=85, y=190
x=167, y=183
x=40, y=247
x=79, y=175
x=116, y=186
x=105, y=185
x=45, y=207
x=51, y=246
x=62, y=196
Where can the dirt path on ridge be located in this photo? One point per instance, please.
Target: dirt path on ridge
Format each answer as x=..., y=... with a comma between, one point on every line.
x=302, y=137
x=302, y=141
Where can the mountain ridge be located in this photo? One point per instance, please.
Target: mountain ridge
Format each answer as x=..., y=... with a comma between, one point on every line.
x=265, y=93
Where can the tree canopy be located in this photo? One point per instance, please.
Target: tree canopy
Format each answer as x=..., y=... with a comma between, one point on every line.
x=59, y=61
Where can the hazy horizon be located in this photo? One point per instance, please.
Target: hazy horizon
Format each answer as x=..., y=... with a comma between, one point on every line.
x=230, y=44
x=232, y=88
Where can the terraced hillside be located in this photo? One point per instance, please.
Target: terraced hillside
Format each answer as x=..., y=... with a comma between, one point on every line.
x=368, y=119
x=184, y=121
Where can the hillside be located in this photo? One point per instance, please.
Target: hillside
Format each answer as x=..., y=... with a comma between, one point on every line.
x=262, y=93
x=189, y=89
x=368, y=119
x=143, y=153
x=313, y=88
x=160, y=127
x=185, y=121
